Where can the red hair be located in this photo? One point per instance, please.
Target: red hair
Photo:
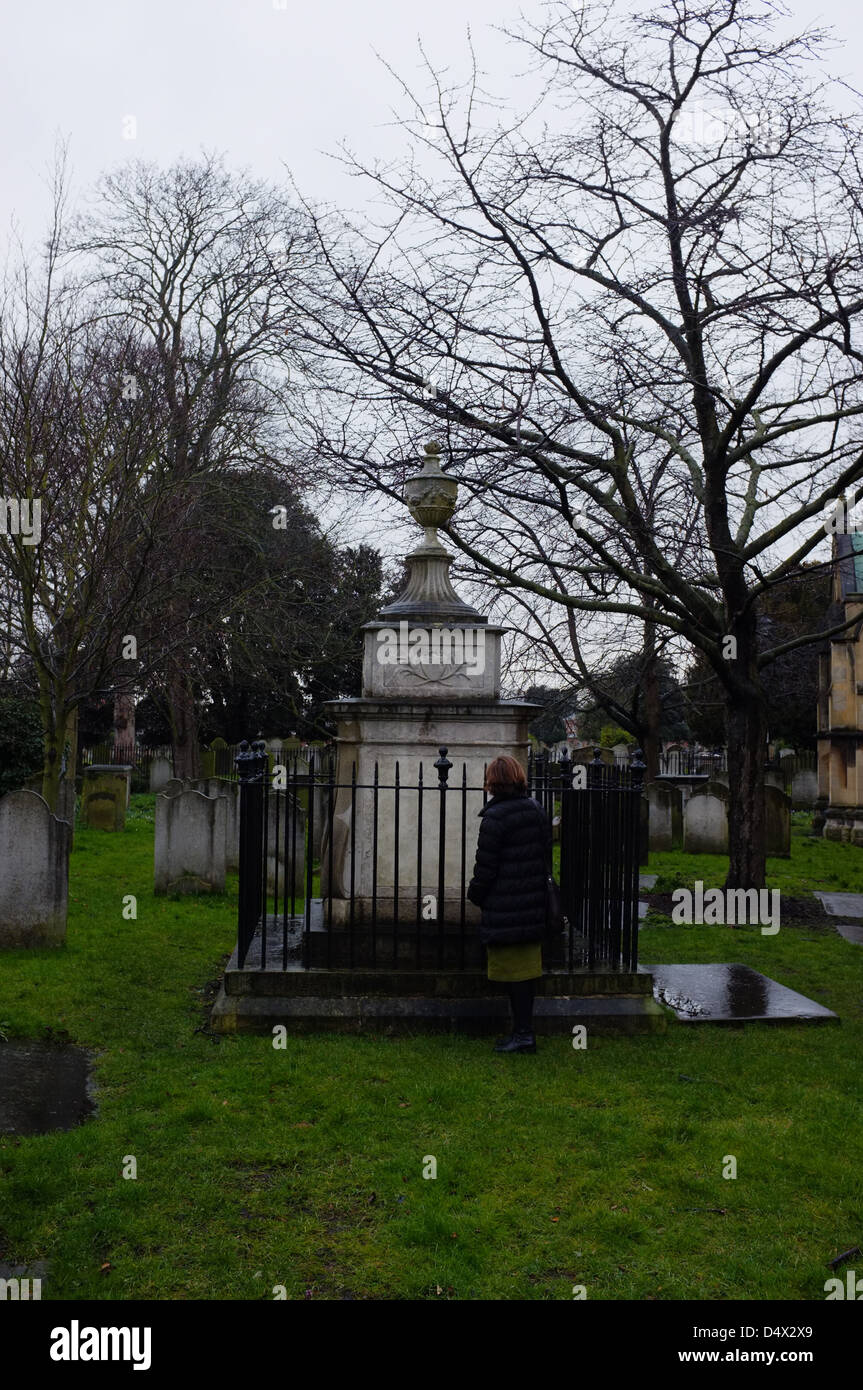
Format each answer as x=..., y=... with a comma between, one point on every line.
x=505, y=777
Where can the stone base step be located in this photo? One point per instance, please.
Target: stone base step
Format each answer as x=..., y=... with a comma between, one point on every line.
x=443, y=984
x=554, y=1016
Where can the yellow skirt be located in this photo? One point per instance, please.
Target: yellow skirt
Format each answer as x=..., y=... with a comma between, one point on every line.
x=510, y=964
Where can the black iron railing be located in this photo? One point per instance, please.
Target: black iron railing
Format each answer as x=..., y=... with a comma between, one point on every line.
x=602, y=845
x=374, y=873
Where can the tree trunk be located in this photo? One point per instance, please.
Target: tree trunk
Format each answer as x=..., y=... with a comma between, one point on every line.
x=124, y=727
x=184, y=727
x=55, y=719
x=746, y=724
x=652, y=705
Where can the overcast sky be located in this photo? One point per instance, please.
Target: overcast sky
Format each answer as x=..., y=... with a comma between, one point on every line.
x=268, y=86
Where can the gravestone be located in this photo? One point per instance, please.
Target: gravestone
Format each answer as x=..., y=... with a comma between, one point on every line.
x=804, y=787
x=34, y=872
x=285, y=843
x=105, y=796
x=620, y=752
x=190, y=843
x=208, y=762
x=777, y=812
x=230, y=793
x=665, y=802
x=222, y=762
x=774, y=778
x=705, y=820
x=161, y=773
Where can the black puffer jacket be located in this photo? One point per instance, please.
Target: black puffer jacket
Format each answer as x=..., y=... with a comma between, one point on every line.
x=513, y=855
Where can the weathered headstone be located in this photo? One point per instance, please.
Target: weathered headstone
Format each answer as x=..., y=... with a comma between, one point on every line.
x=160, y=773
x=665, y=802
x=105, y=796
x=34, y=872
x=190, y=843
x=208, y=762
x=777, y=812
x=804, y=787
x=221, y=758
x=230, y=792
x=705, y=820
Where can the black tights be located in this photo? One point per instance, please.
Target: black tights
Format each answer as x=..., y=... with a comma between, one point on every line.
x=521, y=993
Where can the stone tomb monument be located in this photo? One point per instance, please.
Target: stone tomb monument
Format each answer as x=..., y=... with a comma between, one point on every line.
x=34, y=872
x=105, y=796
x=431, y=678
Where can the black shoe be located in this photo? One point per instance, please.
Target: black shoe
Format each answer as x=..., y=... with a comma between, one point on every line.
x=519, y=1042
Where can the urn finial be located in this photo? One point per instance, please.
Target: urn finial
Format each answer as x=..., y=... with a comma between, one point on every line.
x=431, y=495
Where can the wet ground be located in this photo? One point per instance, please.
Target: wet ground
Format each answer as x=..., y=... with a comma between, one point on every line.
x=43, y=1086
x=731, y=994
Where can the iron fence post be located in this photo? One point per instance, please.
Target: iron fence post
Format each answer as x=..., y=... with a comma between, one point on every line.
x=443, y=766
x=251, y=764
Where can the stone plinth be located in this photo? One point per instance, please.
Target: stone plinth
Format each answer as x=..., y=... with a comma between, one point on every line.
x=409, y=660
x=406, y=735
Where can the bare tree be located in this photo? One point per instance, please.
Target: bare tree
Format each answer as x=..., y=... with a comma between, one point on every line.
x=81, y=503
x=189, y=259
x=633, y=314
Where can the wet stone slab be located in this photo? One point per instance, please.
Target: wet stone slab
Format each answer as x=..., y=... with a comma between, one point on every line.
x=43, y=1086
x=731, y=994
x=852, y=931
x=842, y=904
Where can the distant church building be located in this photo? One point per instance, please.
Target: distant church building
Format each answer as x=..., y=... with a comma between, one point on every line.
x=840, y=701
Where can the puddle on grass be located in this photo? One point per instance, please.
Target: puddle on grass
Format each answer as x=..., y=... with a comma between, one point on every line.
x=43, y=1086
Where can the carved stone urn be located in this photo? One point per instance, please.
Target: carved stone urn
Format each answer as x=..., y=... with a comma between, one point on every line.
x=428, y=594
x=431, y=495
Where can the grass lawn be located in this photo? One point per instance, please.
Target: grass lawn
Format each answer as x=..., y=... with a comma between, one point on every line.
x=304, y=1167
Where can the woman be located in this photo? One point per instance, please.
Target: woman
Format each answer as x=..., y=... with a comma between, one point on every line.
x=513, y=861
